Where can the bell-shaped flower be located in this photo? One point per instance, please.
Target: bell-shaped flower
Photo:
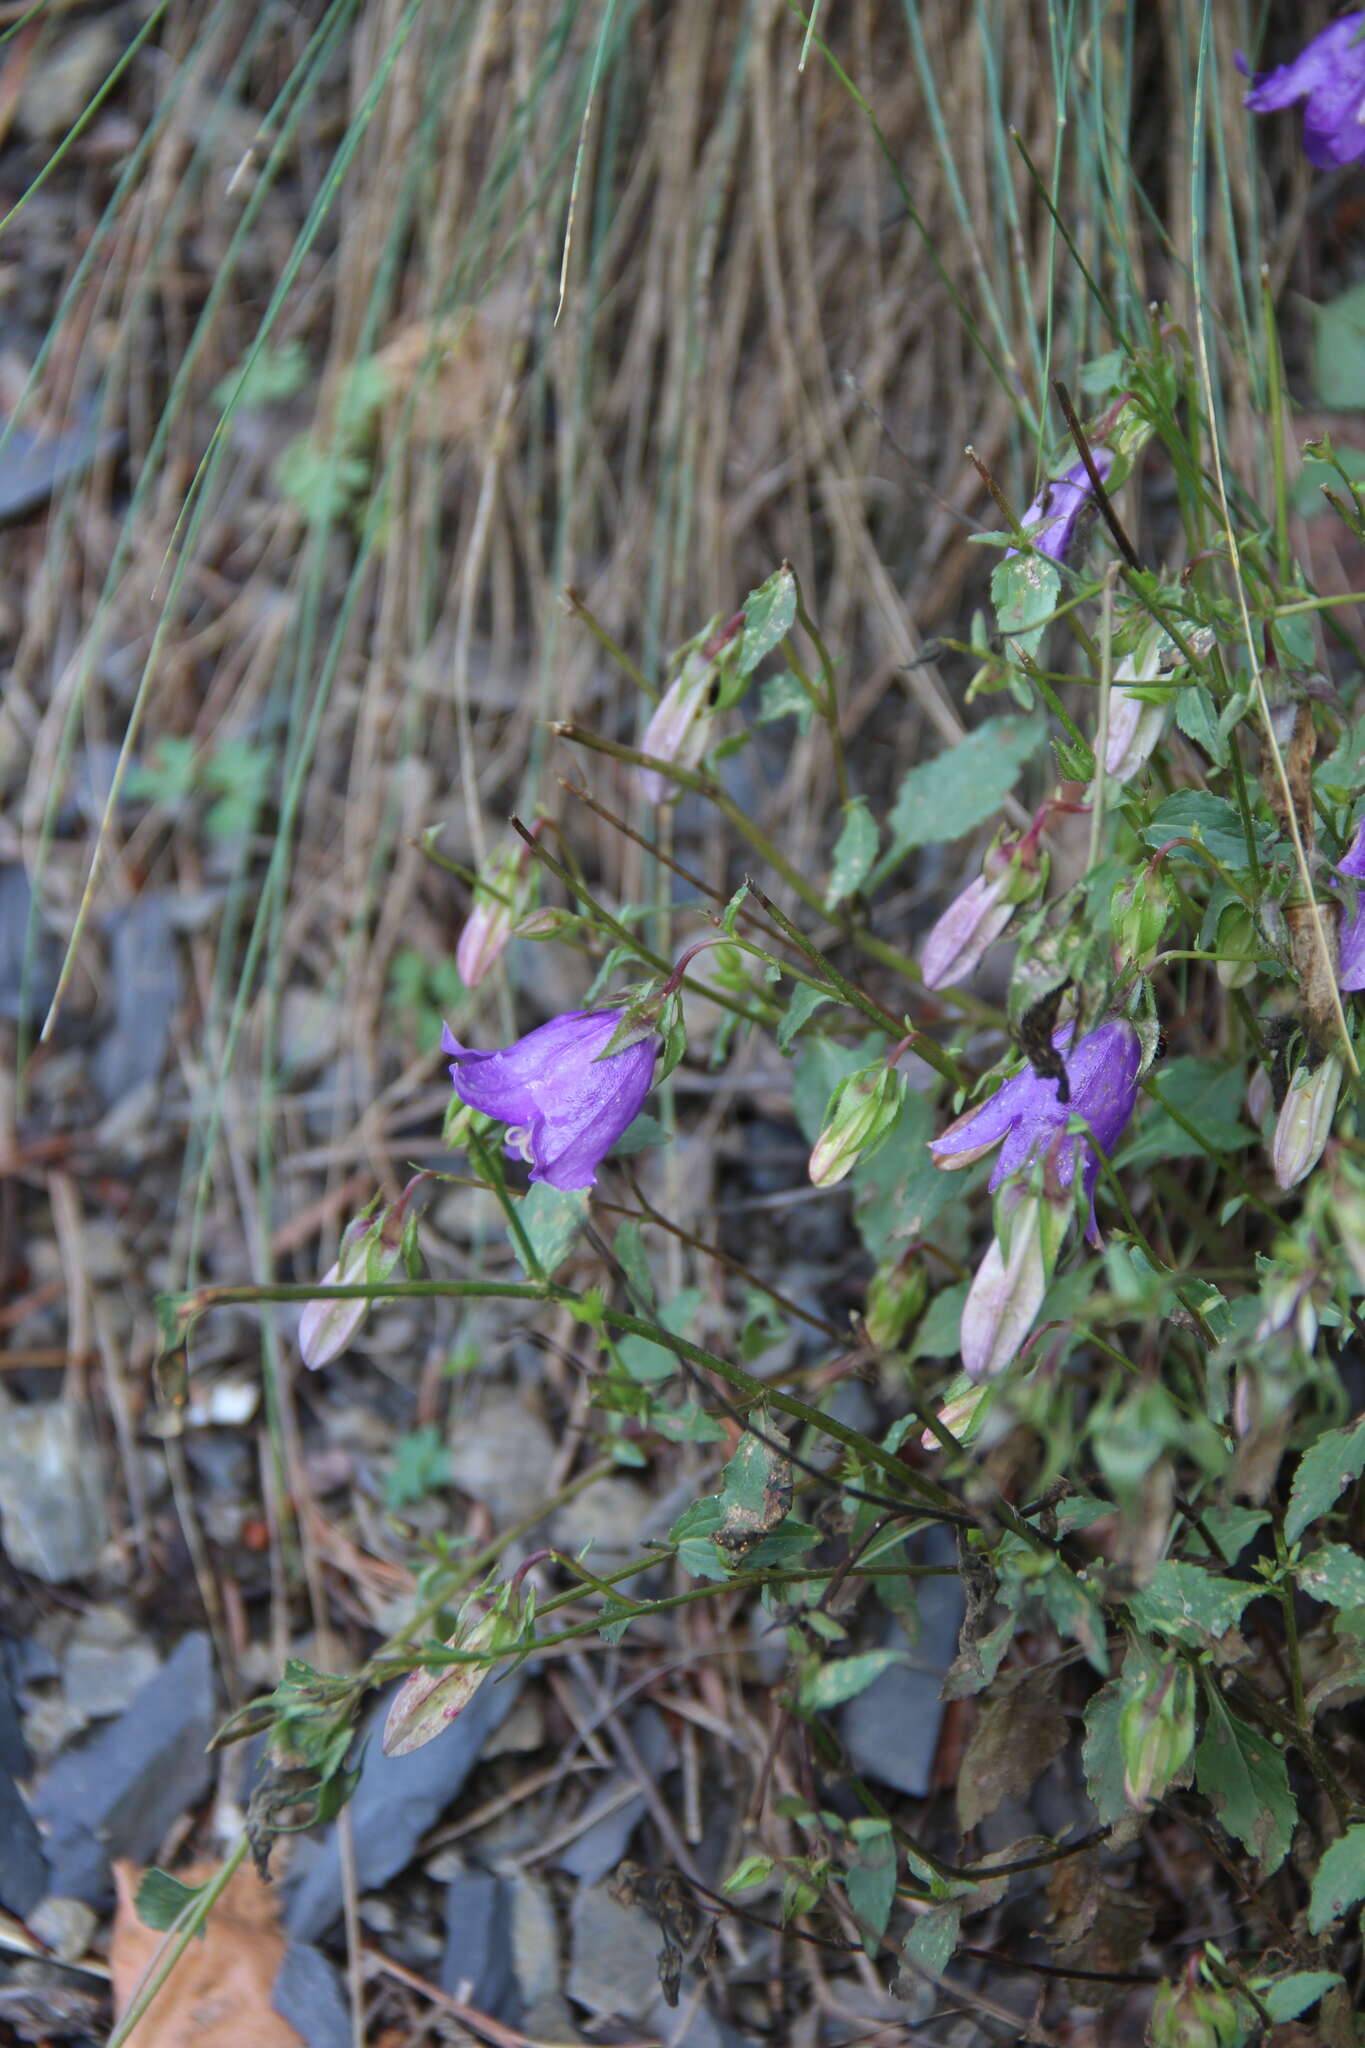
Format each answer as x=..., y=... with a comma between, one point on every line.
x=860, y=1117
x=1305, y=1120
x=1351, y=938
x=678, y=729
x=501, y=896
x=566, y=1104
x=1012, y=871
x=1053, y=521
x=1328, y=73
x=1027, y=1114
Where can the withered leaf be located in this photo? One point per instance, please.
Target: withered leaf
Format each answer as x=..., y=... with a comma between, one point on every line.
x=1021, y=1729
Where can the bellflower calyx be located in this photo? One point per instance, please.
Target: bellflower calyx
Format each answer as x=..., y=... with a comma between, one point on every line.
x=1329, y=74
x=1053, y=521
x=566, y=1104
x=1026, y=1113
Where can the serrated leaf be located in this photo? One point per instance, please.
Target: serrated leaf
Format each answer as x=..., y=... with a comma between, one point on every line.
x=1339, y=1880
x=1208, y=1095
x=769, y=614
x=1018, y=1733
x=854, y=852
x=551, y=1219
x=1339, y=351
x=1102, y=1753
x=1325, y=1470
x=1191, y=1604
x=943, y=799
x=689, y=1424
x=1197, y=717
x=832, y=1684
x=933, y=1939
x=785, y=696
x=1212, y=820
x=161, y=1899
x=1024, y=591
x=1245, y=1779
x=1290, y=1996
x=1334, y=1575
x=699, y=1556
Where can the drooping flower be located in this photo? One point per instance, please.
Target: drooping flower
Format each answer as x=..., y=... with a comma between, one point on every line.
x=1351, y=947
x=1012, y=871
x=677, y=730
x=1329, y=73
x=1103, y=1075
x=566, y=1105
x=1053, y=520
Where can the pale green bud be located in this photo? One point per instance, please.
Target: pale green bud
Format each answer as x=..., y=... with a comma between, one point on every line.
x=1193, y=2014
x=896, y=1295
x=1156, y=1734
x=1305, y=1121
x=861, y=1114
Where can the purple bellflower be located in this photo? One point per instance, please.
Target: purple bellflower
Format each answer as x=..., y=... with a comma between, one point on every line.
x=565, y=1104
x=1329, y=73
x=1026, y=1114
x=1053, y=520
x=1351, y=952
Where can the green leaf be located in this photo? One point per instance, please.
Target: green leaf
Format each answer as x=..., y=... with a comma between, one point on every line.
x=1290, y=1996
x=421, y=1464
x=785, y=696
x=831, y=1684
x=933, y=1938
x=939, y=1333
x=769, y=613
x=1024, y=592
x=1244, y=1778
x=820, y=1066
x=1190, y=1604
x=1325, y=1470
x=943, y=799
x=552, y=1219
x=267, y=375
x=1231, y=1529
x=629, y=1247
x=854, y=852
x=1339, y=351
x=689, y=1424
x=752, y=1870
x=804, y=1003
x=161, y=1899
x=699, y=1556
x=1335, y=1575
x=1197, y=716
x=1209, y=1095
x=648, y=1362
x=1102, y=1755
x=870, y=1879
x=1339, y=1881
x=1211, y=820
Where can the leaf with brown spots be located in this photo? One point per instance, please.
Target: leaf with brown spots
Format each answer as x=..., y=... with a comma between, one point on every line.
x=1020, y=1731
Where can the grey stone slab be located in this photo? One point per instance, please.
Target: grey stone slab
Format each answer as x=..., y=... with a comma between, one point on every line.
x=397, y=1799
x=24, y=1875
x=308, y=1994
x=501, y=1454
x=126, y=1785
x=891, y=1730
x=13, y=1748
x=478, y=1966
x=51, y=1501
x=145, y=971
x=595, y=1852
x=20, y=949
x=615, y=1955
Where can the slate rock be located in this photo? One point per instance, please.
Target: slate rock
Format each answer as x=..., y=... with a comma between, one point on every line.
x=118, y=1793
x=145, y=971
x=397, y=1799
x=535, y=1940
x=13, y=1748
x=478, y=1964
x=24, y=1875
x=501, y=1455
x=41, y=954
x=597, y=1850
x=52, y=1520
x=615, y=1955
x=309, y=1996
x=891, y=1730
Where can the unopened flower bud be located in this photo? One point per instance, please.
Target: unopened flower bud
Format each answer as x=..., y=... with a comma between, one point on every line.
x=677, y=731
x=896, y=1295
x=429, y=1700
x=1305, y=1120
x=1156, y=1734
x=1139, y=911
x=1260, y=1099
x=861, y=1113
x=1010, y=1283
x=1013, y=871
x=371, y=1247
x=1193, y=2014
x=961, y=1414
x=1135, y=724
x=501, y=895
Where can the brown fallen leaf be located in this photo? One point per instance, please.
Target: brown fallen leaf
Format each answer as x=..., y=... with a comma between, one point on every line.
x=218, y=1994
x=1020, y=1730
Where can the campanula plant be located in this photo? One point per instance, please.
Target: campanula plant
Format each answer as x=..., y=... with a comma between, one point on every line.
x=1328, y=76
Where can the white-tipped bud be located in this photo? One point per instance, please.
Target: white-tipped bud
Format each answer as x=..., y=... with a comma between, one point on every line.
x=371, y=1247
x=501, y=896
x=1305, y=1121
x=1135, y=725
x=861, y=1115
x=1010, y=1283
